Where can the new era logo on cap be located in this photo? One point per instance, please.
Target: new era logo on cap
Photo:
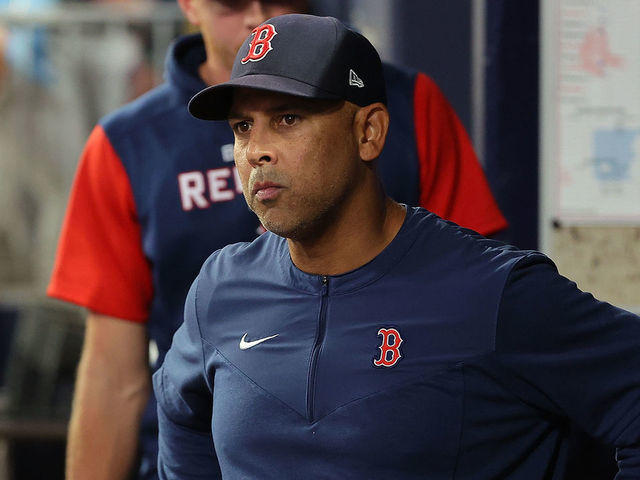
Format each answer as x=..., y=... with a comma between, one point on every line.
x=354, y=80
x=300, y=55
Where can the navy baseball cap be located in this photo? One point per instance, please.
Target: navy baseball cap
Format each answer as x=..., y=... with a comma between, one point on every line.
x=301, y=55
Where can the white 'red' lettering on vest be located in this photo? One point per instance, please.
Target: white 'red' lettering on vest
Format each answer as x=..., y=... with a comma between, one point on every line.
x=236, y=177
x=201, y=189
x=218, y=185
x=191, y=186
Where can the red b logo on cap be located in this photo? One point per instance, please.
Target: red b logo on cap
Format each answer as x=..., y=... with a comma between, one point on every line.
x=261, y=43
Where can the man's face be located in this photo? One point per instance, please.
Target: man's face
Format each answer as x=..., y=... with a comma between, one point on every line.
x=297, y=159
x=226, y=23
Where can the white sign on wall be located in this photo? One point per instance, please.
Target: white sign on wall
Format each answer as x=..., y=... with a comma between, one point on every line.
x=591, y=111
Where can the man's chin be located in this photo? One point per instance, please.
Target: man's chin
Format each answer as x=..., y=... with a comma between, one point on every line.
x=274, y=226
x=277, y=222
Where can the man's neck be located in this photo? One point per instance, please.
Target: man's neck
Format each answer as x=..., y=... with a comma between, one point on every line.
x=213, y=73
x=351, y=242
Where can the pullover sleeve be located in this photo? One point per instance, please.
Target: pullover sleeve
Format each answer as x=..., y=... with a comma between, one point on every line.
x=184, y=395
x=573, y=356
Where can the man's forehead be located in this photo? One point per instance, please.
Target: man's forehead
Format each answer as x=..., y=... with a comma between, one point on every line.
x=247, y=100
x=296, y=6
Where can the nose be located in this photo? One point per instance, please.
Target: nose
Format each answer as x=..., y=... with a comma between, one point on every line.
x=255, y=14
x=260, y=148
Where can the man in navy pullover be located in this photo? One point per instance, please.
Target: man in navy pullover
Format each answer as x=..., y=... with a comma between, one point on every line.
x=359, y=337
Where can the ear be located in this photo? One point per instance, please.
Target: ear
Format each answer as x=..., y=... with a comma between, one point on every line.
x=371, y=124
x=188, y=11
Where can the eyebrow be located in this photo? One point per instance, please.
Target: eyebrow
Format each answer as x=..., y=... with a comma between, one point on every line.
x=280, y=108
x=302, y=104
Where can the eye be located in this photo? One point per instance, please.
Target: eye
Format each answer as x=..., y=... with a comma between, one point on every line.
x=241, y=127
x=289, y=119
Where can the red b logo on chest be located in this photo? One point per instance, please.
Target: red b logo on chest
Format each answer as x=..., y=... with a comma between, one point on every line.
x=260, y=45
x=390, y=348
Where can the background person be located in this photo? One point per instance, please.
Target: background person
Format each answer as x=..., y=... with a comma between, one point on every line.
x=156, y=192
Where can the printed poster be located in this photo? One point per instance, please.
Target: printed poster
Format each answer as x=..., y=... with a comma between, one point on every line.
x=597, y=111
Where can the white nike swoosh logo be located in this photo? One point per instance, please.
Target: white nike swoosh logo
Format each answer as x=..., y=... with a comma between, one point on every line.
x=245, y=345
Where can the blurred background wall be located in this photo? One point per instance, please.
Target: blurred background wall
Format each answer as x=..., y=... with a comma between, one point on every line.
x=63, y=66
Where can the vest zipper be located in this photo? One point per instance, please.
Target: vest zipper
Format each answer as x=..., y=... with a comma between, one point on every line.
x=315, y=352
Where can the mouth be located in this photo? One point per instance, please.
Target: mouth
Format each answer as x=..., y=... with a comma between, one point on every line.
x=264, y=191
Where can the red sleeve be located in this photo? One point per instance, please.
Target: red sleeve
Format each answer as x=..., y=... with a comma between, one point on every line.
x=452, y=182
x=100, y=263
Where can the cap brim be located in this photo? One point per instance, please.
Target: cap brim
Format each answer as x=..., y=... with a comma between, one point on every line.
x=213, y=102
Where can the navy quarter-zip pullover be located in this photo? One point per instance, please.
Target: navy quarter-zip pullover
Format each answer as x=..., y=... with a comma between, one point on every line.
x=448, y=356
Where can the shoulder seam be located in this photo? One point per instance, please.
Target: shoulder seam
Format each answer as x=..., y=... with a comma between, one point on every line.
x=499, y=304
x=195, y=310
